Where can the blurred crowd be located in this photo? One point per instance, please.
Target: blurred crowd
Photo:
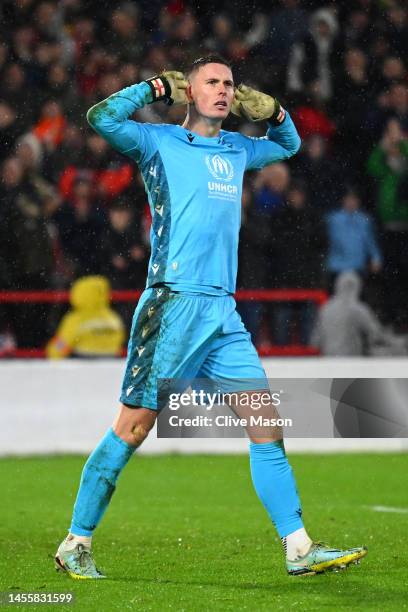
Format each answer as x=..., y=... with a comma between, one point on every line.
x=70, y=206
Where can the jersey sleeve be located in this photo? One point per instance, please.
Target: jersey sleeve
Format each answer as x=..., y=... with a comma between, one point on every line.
x=110, y=118
x=280, y=142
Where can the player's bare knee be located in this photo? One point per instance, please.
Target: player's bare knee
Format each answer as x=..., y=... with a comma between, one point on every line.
x=138, y=434
x=133, y=434
x=133, y=424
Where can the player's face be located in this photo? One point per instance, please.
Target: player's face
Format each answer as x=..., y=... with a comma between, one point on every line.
x=212, y=91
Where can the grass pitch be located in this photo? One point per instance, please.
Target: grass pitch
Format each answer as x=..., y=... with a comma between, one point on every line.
x=188, y=533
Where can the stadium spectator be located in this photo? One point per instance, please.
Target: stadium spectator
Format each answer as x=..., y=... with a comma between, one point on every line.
x=351, y=110
x=23, y=39
x=358, y=31
x=14, y=90
x=270, y=187
x=288, y=26
x=397, y=27
x=129, y=73
x=108, y=82
x=91, y=328
x=110, y=174
x=312, y=116
x=352, y=244
x=28, y=203
x=388, y=164
x=11, y=177
x=296, y=252
x=317, y=167
x=30, y=152
x=126, y=39
x=48, y=21
x=58, y=87
x=252, y=261
x=123, y=248
x=79, y=226
x=185, y=32
x=92, y=61
x=393, y=71
x=390, y=104
x=222, y=29
x=69, y=154
x=123, y=251
x=347, y=327
x=50, y=126
x=10, y=128
x=314, y=60
x=396, y=103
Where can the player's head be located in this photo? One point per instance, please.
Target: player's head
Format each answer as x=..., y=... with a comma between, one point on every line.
x=211, y=87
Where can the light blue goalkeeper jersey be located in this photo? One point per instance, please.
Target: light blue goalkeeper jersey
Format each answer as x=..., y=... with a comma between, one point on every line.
x=194, y=187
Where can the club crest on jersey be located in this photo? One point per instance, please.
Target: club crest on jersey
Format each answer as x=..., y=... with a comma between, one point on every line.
x=219, y=167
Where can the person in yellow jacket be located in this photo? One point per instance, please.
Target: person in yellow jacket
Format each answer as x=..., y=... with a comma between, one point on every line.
x=91, y=328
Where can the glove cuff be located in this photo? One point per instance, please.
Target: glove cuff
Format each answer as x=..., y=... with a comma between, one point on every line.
x=160, y=88
x=278, y=116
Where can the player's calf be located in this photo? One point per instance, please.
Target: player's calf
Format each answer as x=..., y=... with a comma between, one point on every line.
x=258, y=410
x=98, y=483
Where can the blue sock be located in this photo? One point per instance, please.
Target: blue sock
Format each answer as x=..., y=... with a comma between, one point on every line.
x=275, y=485
x=98, y=481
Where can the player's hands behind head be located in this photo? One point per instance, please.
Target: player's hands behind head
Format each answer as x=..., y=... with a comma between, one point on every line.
x=254, y=105
x=178, y=86
x=169, y=86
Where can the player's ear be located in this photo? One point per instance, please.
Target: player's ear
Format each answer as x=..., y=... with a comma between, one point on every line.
x=189, y=93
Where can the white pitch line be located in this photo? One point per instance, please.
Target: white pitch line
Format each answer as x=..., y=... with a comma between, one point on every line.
x=388, y=509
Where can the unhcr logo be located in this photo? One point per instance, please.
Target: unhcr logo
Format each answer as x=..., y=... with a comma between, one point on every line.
x=222, y=188
x=219, y=167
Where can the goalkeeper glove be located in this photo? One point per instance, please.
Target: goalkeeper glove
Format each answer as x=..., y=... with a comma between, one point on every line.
x=254, y=105
x=169, y=86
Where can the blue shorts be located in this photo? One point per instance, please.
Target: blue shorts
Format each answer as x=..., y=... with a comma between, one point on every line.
x=187, y=336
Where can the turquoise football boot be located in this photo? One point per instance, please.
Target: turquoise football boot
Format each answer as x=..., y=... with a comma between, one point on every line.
x=322, y=558
x=77, y=563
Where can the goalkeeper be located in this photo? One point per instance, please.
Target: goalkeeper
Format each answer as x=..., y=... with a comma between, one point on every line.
x=185, y=324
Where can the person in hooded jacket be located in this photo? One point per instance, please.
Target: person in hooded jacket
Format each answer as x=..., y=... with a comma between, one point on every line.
x=347, y=327
x=91, y=328
x=316, y=58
